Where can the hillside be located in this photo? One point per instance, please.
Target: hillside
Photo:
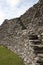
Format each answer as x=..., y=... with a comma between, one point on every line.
x=17, y=33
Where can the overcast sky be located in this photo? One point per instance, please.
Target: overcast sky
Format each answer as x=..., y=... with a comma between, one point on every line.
x=14, y=8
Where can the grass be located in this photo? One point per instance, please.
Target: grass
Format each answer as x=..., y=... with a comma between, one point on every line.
x=9, y=58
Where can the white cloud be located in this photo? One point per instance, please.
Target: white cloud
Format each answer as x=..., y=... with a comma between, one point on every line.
x=13, y=3
x=13, y=8
x=8, y=11
x=2, y=15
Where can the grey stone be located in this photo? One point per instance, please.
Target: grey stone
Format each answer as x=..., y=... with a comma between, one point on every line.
x=15, y=34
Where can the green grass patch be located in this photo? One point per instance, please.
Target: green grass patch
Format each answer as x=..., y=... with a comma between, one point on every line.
x=9, y=58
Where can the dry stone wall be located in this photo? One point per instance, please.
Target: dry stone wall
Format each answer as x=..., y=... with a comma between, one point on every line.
x=27, y=46
x=24, y=35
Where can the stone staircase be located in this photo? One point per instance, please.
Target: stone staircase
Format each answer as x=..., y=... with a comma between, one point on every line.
x=36, y=45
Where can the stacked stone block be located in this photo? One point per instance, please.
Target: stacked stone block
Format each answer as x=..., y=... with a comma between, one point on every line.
x=37, y=45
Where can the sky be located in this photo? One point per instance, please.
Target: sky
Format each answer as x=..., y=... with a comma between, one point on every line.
x=14, y=8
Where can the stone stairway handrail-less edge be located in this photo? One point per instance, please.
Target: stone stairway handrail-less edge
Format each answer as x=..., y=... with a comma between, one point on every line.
x=38, y=50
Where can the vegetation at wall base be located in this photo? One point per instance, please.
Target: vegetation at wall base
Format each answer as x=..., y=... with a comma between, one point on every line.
x=7, y=57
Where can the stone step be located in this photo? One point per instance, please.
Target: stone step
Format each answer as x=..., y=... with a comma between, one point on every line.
x=35, y=42
x=40, y=55
x=40, y=58
x=38, y=50
x=40, y=62
x=33, y=37
x=32, y=45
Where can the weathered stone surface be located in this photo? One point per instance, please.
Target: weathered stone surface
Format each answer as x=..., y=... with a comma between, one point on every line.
x=22, y=35
x=41, y=0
